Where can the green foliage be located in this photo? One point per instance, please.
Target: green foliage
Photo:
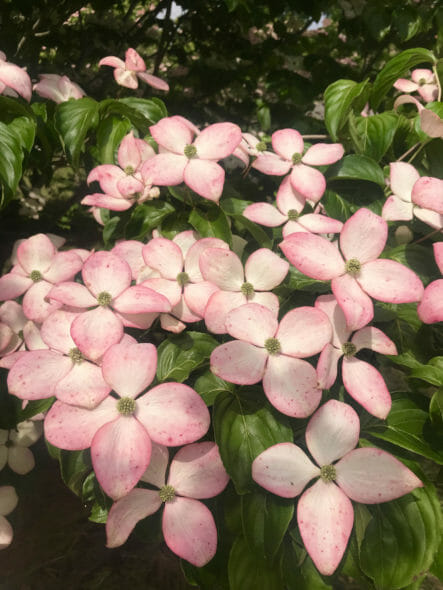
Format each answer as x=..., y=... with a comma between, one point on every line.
x=179, y=355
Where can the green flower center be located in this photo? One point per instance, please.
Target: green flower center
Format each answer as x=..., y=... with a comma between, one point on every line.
x=261, y=146
x=36, y=276
x=293, y=215
x=166, y=493
x=272, y=345
x=247, y=289
x=182, y=278
x=104, y=298
x=353, y=267
x=190, y=151
x=328, y=473
x=76, y=356
x=126, y=406
x=421, y=82
x=129, y=170
x=296, y=158
x=349, y=349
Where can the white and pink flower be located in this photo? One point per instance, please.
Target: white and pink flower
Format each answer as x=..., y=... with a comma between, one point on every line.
x=127, y=73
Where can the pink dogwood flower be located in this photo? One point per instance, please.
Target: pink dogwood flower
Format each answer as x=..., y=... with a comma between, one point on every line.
x=39, y=266
x=288, y=145
x=430, y=308
x=193, y=161
x=325, y=514
x=8, y=501
x=14, y=445
x=12, y=323
x=14, y=79
x=108, y=290
x=361, y=380
x=120, y=431
x=289, y=208
x=126, y=72
x=423, y=82
x=263, y=271
x=58, y=88
x=359, y=274
x=196, y=472
x=271, y=351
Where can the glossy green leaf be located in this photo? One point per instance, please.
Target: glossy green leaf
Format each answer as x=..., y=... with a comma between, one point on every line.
x=404, y=428
x=247, y=573
x=35, y=407
x=244, y=426
x=264, y=117
x=255, y=230
x=10, y=108
x=110, y=132
x=402, y=538
x=109, y=229
x=98, y=514
x=265, y=519
x=374, y=134
x=24, y=129
x=407, y=22
x=398, y=67
x=432, y=372
x=74, y=466
x=146, y=217
x=179, y=355
x=298, y=570
x=152, y=109
x=357, y=167
x=340, y=97
x=436, y=409
x=11, y=159
x=74, y=119
x=211, y=222
x=336, y=206
x=209, y=386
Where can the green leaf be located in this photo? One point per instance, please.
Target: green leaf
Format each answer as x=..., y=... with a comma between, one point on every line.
x=209, y=386
x=300, y=282
x=232, y=206
x=257, y=232
x=24, y=129
x=10, y=108
x=298, y=570
x=110, y=132
x=265, y=519
x=375, y=134
x=264, y=117
x=357, y=167
x=335, y=206
x=416, y=258
x=436, y=408
x=35, y=407
x=179, y=355
x=397, y=67
x=247, y=573
x=109, y=229
x=340, y=97
x=437, y=565
x=244, y=426
x=152, y=109
x=432, y=372
x=11, y=159
x=404, y=428
x=211, y=223
x=407, y=22
x=145, y=217
x=74, y=119
x=74, y=466
x=98, y=513
x=401, y=539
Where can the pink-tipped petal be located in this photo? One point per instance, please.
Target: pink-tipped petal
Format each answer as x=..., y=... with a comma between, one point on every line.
x=192, y=252
x=303, y=332
x=106, y=272
x=83, y=386
x=218, y=141
x=13, y=285
x=153, y=81
x=264, y=214
x=363, y=236
x=197, y=296
x=36, y=253
x=403, y=177
x=290, y=384
x=265, y=270
x=120, y=453
x=107, y=202
x=36, y=374
x=429, y=217
x=111, y=60
x=223, y=268
x=322, y=154
x=308, y=181
x=327, y=366
x=239, y=362
x=141, y=299
x=189, y=530
x=374, y=339
x=164, y=256
x=155, y=474
x=272, y=164
x=164, y=169
x=131, y=252
x=197, y=471
x=206, y=178
x=129, y=369
x=219, y=305
x=287, y=142
x=328, y=305
x=314, y=256
x=438, y=255
x=428, y=193
x=95, y=331
x=395, y=209
x=289, y=199
x=37, y=305
x=371, y=476
x=405, y=85
x=73, y=295
x=367, y=386
x=283, y=469
x=332, y=432
x=325, y=518
x=319, y=224
x=430, y=308
x=172, y=134
x=355, y=304
x=173, y=414
x=388, y=280
x=251, y=323
x=55, y=331
x=16, y=78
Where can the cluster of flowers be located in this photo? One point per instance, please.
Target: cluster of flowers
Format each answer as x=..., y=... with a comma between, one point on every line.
x=75, y=305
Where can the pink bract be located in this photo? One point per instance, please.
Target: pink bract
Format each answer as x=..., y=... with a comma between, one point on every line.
x=430, y=308
x=126, y=72
x=58, y=88
x=325, y=515
x=15, y=79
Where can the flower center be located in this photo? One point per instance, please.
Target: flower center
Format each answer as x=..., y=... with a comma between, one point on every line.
x=36, y=276
x=76, y=356
x=349, y=349
x=421, y=82
x=353, y=267
x=166, y=493
x=293, y=215
x=126, y=406
x=182, y=278
x=247, y=289
x=296, y=158
x=104, y=298
x=328, y=473
x=272, y=345
x=129, y=170
x=261, y=146
x=190, y=151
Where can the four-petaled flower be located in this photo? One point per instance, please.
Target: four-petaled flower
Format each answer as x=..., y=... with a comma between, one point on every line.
x=126, y=72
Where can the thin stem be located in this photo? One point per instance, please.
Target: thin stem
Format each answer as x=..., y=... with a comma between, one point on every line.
x=436, y=231
x=434, y=69
x=411, y=149
x=419, y=150
x=315, y=136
